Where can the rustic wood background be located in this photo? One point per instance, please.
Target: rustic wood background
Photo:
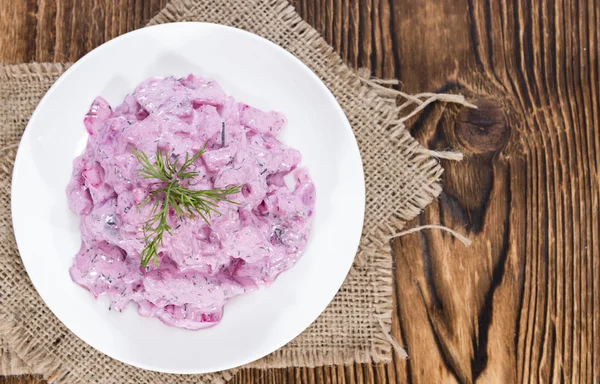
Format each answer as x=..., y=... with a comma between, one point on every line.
x=522, y=304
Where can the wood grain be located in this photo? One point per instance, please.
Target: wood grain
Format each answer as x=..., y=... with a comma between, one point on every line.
x=521, y=304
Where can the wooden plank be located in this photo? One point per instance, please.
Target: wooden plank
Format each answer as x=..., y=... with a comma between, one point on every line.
x=517, y=305
x=65, y=30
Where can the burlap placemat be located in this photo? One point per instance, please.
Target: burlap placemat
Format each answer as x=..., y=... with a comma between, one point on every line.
x=401, y=179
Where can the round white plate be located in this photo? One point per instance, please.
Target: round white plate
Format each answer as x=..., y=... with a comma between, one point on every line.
x=253, y=70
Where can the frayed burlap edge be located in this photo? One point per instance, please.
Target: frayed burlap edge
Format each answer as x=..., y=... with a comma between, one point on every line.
x=33, y=71
x=23, y=345
x=10, y=363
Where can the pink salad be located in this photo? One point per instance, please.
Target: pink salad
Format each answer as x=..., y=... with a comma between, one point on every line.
x=199, y=265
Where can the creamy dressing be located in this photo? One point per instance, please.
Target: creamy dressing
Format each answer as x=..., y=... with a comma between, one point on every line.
x=201, y=266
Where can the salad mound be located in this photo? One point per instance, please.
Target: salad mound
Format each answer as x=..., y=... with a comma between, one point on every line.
x=253, y=234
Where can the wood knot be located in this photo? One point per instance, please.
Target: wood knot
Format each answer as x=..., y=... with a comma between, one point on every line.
x=483, y=129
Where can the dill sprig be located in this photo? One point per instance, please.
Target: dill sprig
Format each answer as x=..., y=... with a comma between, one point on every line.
x=185, y=203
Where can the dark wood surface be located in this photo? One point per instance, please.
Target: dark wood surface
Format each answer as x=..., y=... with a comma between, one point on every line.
x=522, y=303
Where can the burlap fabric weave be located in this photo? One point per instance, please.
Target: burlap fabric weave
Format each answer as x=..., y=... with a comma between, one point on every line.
x=401, y=179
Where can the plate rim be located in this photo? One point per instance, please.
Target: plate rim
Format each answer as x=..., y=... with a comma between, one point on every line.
x=191, y=26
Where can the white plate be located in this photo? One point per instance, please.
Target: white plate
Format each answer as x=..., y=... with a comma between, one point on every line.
x=252, y=70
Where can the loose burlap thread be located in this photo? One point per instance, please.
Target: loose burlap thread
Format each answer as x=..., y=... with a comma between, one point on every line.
x=401, y=179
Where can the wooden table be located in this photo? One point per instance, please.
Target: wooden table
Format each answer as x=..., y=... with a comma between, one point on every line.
x=522, y=303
